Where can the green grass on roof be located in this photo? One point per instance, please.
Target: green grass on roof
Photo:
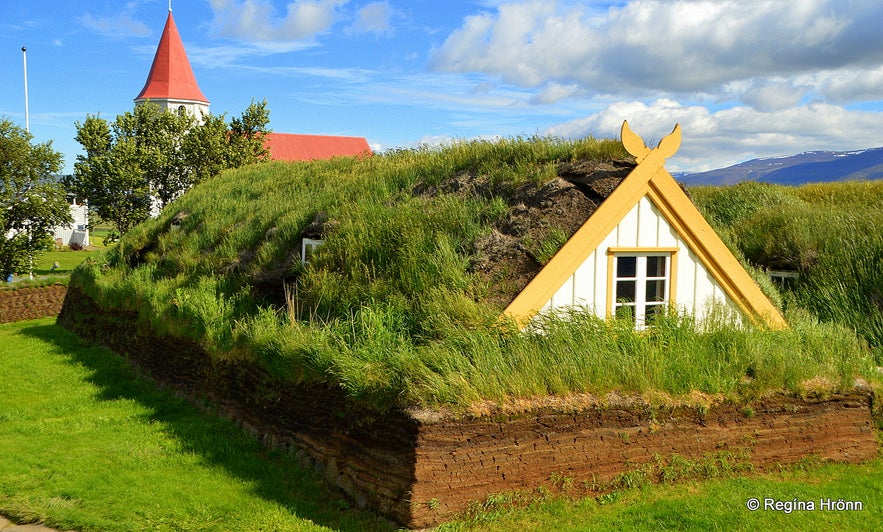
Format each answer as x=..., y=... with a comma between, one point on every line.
x=391, y=311
x=392, y=242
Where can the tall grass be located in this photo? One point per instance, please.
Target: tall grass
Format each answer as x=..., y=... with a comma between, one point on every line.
x=389, y=311
x=832, y=234
x=374, y=359
x=846, y=286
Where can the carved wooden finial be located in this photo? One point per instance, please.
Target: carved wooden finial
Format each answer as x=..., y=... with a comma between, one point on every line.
x=633, y=144
x=669, y=144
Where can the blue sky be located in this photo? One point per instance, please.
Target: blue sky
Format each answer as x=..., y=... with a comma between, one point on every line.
x=744, y=78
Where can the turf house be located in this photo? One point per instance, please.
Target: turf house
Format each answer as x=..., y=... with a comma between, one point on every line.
x=429, y=327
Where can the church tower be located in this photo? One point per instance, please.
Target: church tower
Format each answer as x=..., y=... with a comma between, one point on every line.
x=171, y=83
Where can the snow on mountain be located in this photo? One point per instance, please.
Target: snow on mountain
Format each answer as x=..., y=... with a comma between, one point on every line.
x=806, y=167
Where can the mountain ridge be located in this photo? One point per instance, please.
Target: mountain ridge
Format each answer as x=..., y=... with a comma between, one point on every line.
x=806, y=167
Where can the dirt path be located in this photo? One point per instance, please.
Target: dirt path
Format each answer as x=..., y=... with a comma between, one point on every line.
x=8, y=526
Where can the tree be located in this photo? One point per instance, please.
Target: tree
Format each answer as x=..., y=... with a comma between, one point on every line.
x=110, y=176
x=32, y=202
x=149, y=155
x=246, y=139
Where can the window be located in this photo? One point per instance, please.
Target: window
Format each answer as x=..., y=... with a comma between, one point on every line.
x=784, y=279
x=308, y=247
x=640, y=283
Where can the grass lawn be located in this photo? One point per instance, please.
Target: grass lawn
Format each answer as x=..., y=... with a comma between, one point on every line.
x=85, y=444
x=709, y=505
x=98, y=233
x=67, y=261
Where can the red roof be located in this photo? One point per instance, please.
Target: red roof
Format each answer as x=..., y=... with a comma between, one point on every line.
x=171, y=76
x=292, y=147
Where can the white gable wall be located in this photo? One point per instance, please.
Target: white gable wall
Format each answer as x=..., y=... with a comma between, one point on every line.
x=643, y=226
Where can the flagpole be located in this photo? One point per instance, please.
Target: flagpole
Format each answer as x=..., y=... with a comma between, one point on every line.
x=24, y=58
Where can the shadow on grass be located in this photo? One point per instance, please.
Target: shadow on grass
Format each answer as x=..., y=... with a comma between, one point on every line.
x=277, y=476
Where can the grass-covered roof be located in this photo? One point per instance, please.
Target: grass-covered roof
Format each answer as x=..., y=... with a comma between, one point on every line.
x=412, y=228
x=423, y=249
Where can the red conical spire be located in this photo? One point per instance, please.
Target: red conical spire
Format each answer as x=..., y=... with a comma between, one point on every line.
x=171, y=76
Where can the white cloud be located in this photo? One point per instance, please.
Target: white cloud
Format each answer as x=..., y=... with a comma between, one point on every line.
x=652, y=46
x=714, y=139
x=255, y=20
x=554, y=92
x=853, y=85
x=230, y=56
x=116, y=26
x=525, y=43
x=373, y=18
x=773, y=96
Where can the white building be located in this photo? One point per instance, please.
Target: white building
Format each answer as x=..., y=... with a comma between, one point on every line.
x=77, y=232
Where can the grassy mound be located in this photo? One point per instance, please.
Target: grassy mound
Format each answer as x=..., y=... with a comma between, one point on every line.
x=831, y=234
x=400, y=306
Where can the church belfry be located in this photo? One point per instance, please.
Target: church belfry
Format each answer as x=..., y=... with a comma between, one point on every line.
x=171, y=83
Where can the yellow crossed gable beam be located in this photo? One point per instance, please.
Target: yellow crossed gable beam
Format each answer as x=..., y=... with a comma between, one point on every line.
x=649, y=178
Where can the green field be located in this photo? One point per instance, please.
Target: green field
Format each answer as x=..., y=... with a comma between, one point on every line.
x=85, y=444
x=67, y=260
